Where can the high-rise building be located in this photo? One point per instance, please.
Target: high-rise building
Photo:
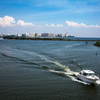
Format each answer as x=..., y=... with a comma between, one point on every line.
x=66, y=34
x=29, y=34
x=37, y=34
x=48, y=35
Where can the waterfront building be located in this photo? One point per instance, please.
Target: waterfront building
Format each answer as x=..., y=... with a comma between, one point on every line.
x=66, y=35
x=19, y=35
x=37, y=34
x=29, y=35
x=58, y=35
x=48, y=35
x=62, y=35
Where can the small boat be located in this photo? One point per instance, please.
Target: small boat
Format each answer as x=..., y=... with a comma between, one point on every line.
x=88, y=76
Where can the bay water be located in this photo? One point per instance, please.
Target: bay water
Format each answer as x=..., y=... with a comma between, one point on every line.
x=42, y=70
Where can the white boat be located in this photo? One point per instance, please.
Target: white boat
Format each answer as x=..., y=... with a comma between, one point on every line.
x=88, y=76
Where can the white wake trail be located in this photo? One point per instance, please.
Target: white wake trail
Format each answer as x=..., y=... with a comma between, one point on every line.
x=68, y=73
x=66, y=68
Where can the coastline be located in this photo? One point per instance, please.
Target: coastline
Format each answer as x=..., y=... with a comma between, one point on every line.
x=97, y=43
x=52, y=39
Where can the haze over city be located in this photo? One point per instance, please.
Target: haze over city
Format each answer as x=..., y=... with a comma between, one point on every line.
x=77, y=17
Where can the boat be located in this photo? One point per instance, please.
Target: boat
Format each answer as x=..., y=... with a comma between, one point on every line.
x=88, y=76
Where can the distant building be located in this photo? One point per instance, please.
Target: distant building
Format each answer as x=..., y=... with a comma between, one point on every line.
x=2, y=35
x=37, y=34
x=58, y=35
x=66, y=35
x=71, y=36
x=62, y=35
x=48, y=35
x=44, y=35
x=23, y=35
x=19, y=35
x=28, y=35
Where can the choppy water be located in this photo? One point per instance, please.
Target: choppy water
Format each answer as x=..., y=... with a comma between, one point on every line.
x=44, y=70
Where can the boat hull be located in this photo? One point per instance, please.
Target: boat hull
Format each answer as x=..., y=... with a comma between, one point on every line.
x=88, y=80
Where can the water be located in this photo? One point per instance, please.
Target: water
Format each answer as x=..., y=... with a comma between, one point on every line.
x=45, y=70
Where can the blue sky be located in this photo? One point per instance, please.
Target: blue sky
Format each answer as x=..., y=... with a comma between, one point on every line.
x=77, y=17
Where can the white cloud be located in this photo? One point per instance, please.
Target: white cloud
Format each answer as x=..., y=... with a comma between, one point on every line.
x=53, y=25
x=59, y=25
x=74, y=24
x=10, y=21
x=95, y=26
x=7, y=21
x=22, y=23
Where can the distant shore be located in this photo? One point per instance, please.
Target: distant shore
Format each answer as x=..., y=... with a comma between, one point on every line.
x=97, y=43
x=52, y=39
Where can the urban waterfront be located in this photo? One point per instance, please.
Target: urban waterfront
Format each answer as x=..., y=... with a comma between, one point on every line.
x=34, y=70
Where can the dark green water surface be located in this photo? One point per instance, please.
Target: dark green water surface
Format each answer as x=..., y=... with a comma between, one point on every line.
x=33, y=70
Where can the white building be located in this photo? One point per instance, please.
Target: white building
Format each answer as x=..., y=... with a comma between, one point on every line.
x=66, y=35
x=29, y=34
x=19, y=35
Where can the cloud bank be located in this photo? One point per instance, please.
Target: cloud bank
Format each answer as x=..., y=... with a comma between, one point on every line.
x=74, y=24
x=10, y=21
x=53, y=25
x=74, y=28
x=7, y=21
x=22, y=23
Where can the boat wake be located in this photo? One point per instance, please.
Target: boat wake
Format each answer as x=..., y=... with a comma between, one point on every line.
x=68, y=72
x=98, y=82
x=68, y=46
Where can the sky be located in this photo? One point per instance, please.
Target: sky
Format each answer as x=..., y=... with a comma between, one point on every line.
x=79, y=18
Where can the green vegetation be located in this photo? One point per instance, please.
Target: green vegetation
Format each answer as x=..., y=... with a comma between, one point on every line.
x=47, y=38
x=97, y=43
x=28, y=38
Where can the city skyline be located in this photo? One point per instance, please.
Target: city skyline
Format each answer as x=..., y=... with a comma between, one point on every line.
x=37, y=35
x=78, y=17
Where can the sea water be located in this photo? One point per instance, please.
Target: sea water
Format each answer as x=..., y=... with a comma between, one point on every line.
x=45, y=70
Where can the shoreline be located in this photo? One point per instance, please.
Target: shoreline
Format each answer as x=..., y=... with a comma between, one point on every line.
x=50, y=39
